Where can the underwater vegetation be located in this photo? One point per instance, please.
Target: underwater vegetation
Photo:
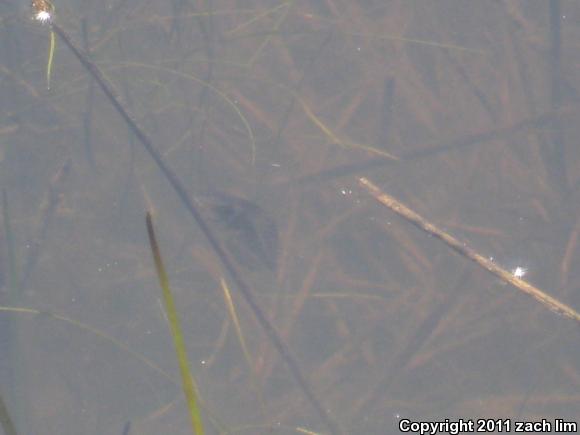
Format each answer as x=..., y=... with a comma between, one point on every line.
x=336, y=188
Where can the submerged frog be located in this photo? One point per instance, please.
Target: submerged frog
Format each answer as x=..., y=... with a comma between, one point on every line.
x=248, y=232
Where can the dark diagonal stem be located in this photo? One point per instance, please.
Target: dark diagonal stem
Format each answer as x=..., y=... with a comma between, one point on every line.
x=183, y=195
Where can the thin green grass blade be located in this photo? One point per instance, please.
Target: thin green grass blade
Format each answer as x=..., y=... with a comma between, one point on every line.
x=186, y=377
x=236, y=322
x=50, y=58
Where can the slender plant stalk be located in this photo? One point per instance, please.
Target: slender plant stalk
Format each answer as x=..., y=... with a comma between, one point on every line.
x=187, y=381
x=284, y=351
x=50, y=58
x=236, y=322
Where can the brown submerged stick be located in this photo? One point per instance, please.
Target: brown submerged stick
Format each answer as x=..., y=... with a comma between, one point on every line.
x=402, y=210
x=229, y=266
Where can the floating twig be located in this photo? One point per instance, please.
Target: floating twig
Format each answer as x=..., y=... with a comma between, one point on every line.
x=463, y=249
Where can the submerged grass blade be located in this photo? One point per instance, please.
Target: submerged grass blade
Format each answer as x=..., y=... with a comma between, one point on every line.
x=333, y=137
x=236, y=321
x=186, y=377
x=87, y=328
x=50, y=57
x=239, y=333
